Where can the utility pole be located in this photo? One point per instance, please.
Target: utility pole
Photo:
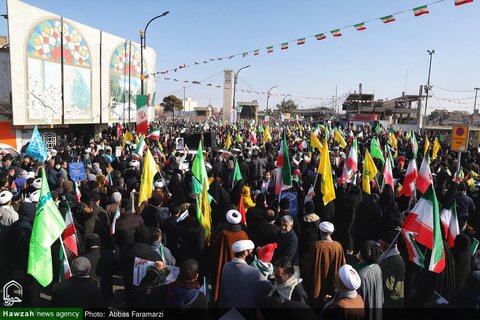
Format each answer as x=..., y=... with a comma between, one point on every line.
x=427, y=88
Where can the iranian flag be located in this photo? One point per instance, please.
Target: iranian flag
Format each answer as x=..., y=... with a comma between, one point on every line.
x=142, y=112
x=419, y=11
x=336, y=33
x=256, y=52
x=300, y=41
x=460, y=2
x=284, y=46
x=424, y=221
x=410, y=177
x=155, y=134
x=253, y=137
x=414, y=253
x=141, y=146
x=424, y=179
x=388, y=19
x=387, y=171
x=450, y=223
x=320, y=36
x=347, y=175
x=360, y=26
x=352, y=161
x=69, y=236
x=119, y=129
x=284, y=171
x=270, y=49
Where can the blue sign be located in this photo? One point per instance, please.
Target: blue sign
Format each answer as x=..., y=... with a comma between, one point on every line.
x=76, y=170
x=292, y=197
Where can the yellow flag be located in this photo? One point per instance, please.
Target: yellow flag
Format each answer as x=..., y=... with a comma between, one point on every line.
x=473, y=174
x=394, y=143
x=327, y=189
x=205, y=212
x=159, y=145
x=300, y=127
x=266, y=135
x=314, y=142
x=228, y=142
x=127, y=137
x=339, y=139
x=427, y=145
x=369, y=171
x=407, y=135
x=146, y=181
x=436, y=148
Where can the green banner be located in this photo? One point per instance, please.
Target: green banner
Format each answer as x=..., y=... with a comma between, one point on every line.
x=41, y=313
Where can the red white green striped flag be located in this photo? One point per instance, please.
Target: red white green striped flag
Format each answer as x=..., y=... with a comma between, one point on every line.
x=360, y=26
x=270, y=49
x=244, y=54
x=284, y=46
x=460, y=2
x=256, y=52
x=388, y=19
x=142, y=119
x=450, y=224
x=300, y=41
x=420, y=11
x=284, y=171
x=414, y=253
x=424, y=220
x=336, y=33
x=320, y=36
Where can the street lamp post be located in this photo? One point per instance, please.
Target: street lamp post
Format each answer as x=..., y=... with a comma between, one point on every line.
x=143, y=45
x=427, y=87
x=235, y=90
x=474, y=105
x=268, y=95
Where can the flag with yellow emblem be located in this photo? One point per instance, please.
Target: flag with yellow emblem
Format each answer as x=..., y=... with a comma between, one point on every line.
x=326, y=187
x=369, y=172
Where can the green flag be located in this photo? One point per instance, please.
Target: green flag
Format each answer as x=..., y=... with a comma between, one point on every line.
x=47, y=228
x=376, y=151
x=198, y=168
x=414, y=145
x=237, y=175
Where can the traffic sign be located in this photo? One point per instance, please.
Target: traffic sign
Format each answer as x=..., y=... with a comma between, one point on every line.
x=459, y=138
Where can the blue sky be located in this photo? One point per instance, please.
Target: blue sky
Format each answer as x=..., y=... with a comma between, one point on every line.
x=386, y=58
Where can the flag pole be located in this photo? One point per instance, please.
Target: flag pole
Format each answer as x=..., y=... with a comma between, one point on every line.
x=391, y=245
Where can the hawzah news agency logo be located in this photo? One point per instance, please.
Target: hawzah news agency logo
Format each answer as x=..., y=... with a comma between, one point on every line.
x=15, y=289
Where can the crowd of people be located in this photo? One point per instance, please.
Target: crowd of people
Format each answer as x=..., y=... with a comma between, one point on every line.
x=266, y=255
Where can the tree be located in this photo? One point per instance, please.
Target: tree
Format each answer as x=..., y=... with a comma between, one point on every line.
x=287, y=106
x=171, y=102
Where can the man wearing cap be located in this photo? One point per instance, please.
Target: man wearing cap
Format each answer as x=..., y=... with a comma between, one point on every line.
x=7, y=214
x=321, y=265
x=241, y=285
x=78, y=291
x=347, y=304
x=222, y=247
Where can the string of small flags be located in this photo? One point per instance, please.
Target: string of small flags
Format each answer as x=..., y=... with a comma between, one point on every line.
x=336, y=33
x=243, y=90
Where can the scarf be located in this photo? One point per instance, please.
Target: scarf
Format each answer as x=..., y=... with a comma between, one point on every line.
x=285, y=289
x=387, y=254
x=265, y=268
x=238, y=260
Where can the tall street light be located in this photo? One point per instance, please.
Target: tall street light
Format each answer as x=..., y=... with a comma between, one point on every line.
x=428, y=87
x=268, y=95
x=143, y=45
x=234, y=90
x=475, y=105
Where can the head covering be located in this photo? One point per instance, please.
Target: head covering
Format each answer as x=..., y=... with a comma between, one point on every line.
x=234, y=217
x=134, y=164
x=53, y=151
x=81, y=267
x=265, y=253
x=91, y=177
x=5, y=196
x=116, y=197
x=326, y=227
x=96, y=165
x=34, y=196
x=37, y=183
x=31, y=174
x=245, y=189
x=349, y=277
x=241, y=245
x=23, y=173
x=159, y=183
x=93, y=240
x=370, y=251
